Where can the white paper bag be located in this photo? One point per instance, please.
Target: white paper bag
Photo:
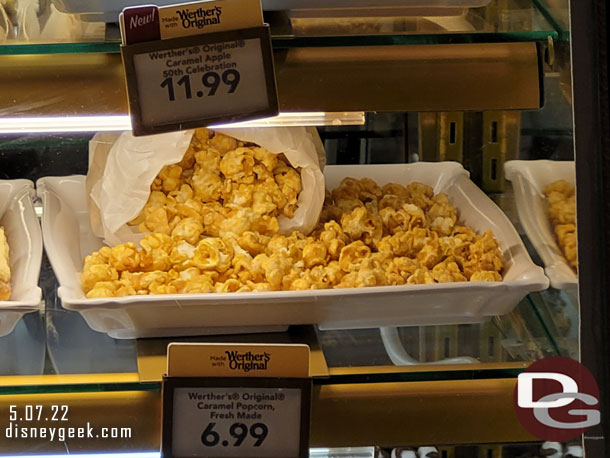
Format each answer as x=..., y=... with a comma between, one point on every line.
x=130, y=165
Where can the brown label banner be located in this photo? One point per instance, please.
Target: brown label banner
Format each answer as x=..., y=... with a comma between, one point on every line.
x=237, y=360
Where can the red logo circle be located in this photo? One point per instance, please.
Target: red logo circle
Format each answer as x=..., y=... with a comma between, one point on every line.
x=557, y=399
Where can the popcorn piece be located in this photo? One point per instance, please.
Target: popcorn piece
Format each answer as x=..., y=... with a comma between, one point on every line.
x=186, y=277
x=421, y=276
x=267, y=198
x=441, y=216
x=405, y=219
x=267, y=158
x=420, y=195
x=241, y=195
x=333, y=273
x=315, y=254
x=96, y=273
x=407, y=243
x=360, y=224
x=486, y=275
x=275, y=267
x=201, y=136
x=181, y=255
x=156, y=251
x=98, y=257
x=391, y=201
x=132, y=281
x=259, y=286
x=431, y=253
x=403, y=267
x=230, y=286
x=348, y=205
x=370, y=189
x=397, y=190
x=125, y=257
x=213, y=254
x=152, y=280
x=353, y=255
x=170, y=176
x=213, y=216
x=243, y=269
x=265, y=225
x=155, y=220
x=188, y=160
x=366, y=275
x=289, y=182
x=253, y=242
x=223, y=143
x=561, y=187
x=486, y=252
x=183, y=194
x=245, y=220
x=349, y=189
x=188, y=229
x=334, y=239
x=330, y=212
x=207, y=185
x=563, y=211
x=208, y=158
x=448, y=271
x=102, y=289
x=238, y=164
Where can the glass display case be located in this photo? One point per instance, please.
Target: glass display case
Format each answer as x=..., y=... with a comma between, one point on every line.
x=509, y=90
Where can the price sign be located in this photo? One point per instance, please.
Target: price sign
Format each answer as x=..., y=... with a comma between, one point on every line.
x=238, y=404
x=220, y=417
x=195, y=80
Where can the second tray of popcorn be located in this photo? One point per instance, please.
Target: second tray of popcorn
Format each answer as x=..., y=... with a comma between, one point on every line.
x=530, y=179
x=68, y=238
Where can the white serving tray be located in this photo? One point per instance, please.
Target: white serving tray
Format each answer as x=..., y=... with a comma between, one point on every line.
x=529, y=178
x=68, y=239
x=25, y=251
x=108, y=10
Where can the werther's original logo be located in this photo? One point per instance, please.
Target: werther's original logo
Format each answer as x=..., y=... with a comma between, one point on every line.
x=199, y=18
x=248, y=361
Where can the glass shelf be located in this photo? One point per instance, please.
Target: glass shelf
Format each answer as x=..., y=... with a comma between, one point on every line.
x=500, y=21
x=56, y=351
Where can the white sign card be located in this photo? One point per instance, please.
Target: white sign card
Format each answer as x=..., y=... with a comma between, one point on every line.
x=199, y=80
x=235, y=417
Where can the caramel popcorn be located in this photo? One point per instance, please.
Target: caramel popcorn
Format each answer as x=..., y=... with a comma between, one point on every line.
x=561, y=202
x=221, y=185
x=367, y=235
x=404, y=234
x=5, y=270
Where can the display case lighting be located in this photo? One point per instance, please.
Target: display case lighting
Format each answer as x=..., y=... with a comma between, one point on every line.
x=91, y=455
x=23, y=125
x=360, y=452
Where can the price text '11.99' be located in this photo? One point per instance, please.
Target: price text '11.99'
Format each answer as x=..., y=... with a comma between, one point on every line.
x=210, y=80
